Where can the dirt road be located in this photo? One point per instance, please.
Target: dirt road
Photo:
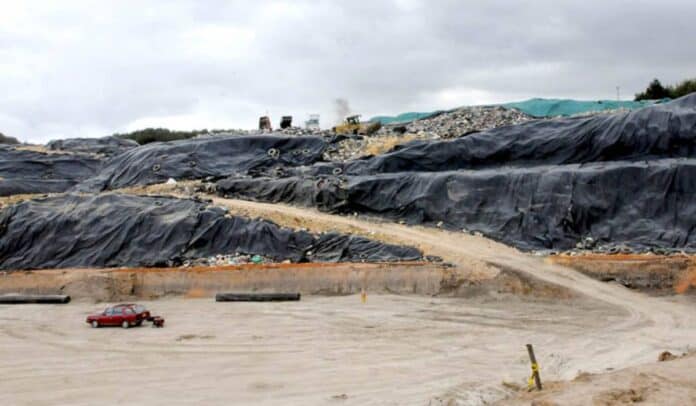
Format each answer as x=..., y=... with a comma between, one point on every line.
x=651, y=324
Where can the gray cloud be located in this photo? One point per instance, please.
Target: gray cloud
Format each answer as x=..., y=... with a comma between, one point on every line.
x=86, y=69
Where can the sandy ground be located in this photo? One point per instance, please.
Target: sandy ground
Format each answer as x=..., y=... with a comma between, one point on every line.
x=660, y=383
x=394, y=350
x=322, y=350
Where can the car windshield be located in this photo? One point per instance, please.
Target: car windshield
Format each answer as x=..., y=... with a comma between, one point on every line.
x=139, y=308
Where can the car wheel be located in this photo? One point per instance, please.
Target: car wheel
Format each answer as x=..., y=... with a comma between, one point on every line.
x=95, y=324
x=125, y=324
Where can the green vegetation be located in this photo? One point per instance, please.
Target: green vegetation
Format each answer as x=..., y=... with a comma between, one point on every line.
x=655, y=90
x=149, y=135
x=4, y=139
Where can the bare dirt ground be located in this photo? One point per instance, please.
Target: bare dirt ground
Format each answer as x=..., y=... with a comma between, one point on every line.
x=649, y=323
x=662, y=383
x=324, y=348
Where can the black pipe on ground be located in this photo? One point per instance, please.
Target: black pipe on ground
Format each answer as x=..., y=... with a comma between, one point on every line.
x=257, y=297
x=34, y=299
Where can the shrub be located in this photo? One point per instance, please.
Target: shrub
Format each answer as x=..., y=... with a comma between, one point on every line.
x=4, y=139
x=656, y=91
x=684, y=88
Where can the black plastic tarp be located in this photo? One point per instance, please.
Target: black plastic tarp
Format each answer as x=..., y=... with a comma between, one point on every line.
x=622, y=180
x=661, y=131
x=637, y=204
x=23, y=171
x=204, y=157
x=107, y=146
x=112, y=230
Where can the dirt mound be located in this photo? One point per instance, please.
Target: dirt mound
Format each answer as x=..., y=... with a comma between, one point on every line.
x=663, y=383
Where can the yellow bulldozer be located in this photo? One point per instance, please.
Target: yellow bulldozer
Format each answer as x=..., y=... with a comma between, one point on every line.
x=352, y=125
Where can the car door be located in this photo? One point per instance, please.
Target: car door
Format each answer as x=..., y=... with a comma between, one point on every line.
x=117, y=316
x=129, y=315
x=105, y=319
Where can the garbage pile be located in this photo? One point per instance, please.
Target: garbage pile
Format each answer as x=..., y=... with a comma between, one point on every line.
x=231, y=259
x=299, y=131
x=464, y=121
x=450, y=124
x=116, y=230
x=623, y=181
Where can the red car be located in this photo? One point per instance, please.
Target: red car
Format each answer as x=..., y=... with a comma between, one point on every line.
x=124, y=315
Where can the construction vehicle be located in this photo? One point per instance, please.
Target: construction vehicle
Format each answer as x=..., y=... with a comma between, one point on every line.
x=286, y=122
x=352, y=125
x=313, y=122
x=265, y=123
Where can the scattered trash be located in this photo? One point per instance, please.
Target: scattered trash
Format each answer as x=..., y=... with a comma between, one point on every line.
x=465, y=120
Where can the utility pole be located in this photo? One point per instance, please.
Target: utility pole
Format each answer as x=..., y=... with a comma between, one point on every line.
x=618, y=93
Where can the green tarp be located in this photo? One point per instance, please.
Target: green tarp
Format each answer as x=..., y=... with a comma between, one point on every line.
x=537, y=108
x=403, y=118
x=568, y=107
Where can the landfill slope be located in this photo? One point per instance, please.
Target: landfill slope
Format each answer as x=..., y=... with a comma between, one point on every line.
x=114, y=230
x=107, y=146
x=205, y=157
x=619, y=181
x=25, y=172
x=661, y=131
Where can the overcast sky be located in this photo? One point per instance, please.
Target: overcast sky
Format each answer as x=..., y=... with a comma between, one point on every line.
x=91, y=68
